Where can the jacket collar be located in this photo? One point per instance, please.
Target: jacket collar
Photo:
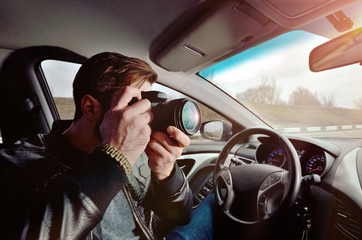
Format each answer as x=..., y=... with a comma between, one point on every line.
x=59, y=148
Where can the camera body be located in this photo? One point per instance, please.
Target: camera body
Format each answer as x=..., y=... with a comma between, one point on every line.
x=182, y=113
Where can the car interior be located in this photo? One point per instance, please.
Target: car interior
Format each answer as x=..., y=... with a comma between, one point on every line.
x=279, y=167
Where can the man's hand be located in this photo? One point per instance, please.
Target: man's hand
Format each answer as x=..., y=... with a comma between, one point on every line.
x=127, y=127
x=164, y=149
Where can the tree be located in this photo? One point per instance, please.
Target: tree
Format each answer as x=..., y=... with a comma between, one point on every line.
x=358, y=103
x=267, y=92
x=328, y=101
x=303, y=96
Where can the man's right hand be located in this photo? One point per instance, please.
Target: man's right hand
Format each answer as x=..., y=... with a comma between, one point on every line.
x=127, y=128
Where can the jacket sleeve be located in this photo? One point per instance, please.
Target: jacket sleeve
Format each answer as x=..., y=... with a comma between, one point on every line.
x=70, y=204
x=171, y=199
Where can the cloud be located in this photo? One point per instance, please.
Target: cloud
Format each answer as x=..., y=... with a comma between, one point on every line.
x=289, y=66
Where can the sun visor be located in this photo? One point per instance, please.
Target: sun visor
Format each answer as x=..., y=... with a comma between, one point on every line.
x=221, y=31
x=295, y=13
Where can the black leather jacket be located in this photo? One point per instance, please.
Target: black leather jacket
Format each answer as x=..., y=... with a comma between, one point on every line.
x=51, y=190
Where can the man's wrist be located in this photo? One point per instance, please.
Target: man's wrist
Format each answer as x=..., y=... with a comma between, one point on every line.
x=163, y=178
x=116, y=156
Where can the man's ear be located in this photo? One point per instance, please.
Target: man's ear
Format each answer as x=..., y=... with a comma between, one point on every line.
x=91, y=108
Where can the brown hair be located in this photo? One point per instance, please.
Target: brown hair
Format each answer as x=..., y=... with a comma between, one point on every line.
x=100, y=75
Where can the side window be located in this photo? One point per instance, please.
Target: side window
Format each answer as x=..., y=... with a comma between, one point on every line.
x=60, y=76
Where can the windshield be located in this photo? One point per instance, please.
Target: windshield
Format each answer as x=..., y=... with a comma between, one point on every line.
x=273, y=80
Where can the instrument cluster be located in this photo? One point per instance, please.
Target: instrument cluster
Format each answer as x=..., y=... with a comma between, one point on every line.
x=312, y=160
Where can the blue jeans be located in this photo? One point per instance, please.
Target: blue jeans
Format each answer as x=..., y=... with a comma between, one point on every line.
x=201, y=225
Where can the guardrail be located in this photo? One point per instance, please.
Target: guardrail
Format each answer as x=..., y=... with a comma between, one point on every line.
x=320, y=128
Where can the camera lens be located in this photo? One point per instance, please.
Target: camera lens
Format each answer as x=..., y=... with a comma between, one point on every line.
x=190, y=117
x=182, y=113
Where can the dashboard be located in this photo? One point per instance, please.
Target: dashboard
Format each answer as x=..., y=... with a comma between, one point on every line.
x=315, y=157
x=334, y=202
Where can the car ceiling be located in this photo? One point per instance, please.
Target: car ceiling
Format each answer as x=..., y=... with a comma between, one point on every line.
x=87, y=26
x=90, y=26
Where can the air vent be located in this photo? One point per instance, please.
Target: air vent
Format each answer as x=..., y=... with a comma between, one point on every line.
x=346, y=222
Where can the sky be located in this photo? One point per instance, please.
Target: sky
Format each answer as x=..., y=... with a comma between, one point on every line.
x=286, y=59
x=60, y=76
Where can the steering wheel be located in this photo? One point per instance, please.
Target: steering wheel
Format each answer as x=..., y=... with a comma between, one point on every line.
x=253, y=193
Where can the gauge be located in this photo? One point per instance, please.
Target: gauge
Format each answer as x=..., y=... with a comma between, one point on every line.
x=275, y=158
x=315, y=165
x=271, y=154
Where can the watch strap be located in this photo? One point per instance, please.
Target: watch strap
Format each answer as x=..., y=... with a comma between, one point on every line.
x=117, y=156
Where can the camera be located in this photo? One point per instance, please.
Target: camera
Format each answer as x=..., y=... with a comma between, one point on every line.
x=182, y=113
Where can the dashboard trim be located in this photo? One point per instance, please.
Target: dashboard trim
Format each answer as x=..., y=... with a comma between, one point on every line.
x=346, y=178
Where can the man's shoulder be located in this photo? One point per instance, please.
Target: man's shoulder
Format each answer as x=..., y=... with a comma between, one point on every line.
x=30, y=148
x=34, y=142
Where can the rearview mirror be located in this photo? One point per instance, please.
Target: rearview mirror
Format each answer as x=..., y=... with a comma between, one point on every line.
x=216, y=130
x=341, y=51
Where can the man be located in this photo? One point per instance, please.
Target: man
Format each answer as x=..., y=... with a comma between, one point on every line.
x=59, y=186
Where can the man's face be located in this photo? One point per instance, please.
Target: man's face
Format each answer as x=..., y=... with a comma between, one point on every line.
x=146, y=86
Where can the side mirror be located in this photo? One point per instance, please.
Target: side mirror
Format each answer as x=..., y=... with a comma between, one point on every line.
x=216, y=130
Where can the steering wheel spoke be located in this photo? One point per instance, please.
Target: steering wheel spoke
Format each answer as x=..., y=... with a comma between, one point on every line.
x=225, y=193
x=271, y=193
x=271, y=181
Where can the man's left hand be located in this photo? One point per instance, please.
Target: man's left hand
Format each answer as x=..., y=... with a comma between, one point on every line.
x=163, y=150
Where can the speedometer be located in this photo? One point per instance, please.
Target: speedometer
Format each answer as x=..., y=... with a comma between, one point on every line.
x=315, y=165
x=271, y=154
x=276, y=158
